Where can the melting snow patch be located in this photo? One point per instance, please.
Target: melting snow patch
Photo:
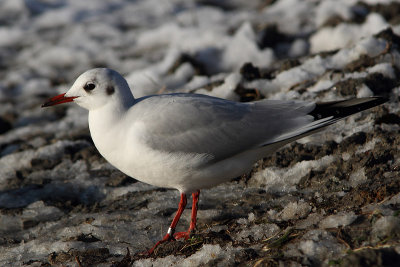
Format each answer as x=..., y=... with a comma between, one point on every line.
x=295, y=210
x=358, y=177
x=285, y=180
x=368, y=146
x=364, y=91
x=336, y=220
x=369, y=46
x=209, y=255
x=242, y=48
x=345, y=35
x=315, y=244
x=387, y=226
x=257, y=232
x=225, y=90
x=39, y=212
x=385, y=68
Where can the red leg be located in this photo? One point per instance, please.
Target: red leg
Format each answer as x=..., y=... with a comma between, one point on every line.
x=171, y=229
x=193, y=219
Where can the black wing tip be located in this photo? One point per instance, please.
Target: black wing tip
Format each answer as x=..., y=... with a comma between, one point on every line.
x=344, y=108
x=379, y=100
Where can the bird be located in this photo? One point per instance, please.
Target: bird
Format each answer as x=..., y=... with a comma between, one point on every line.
x=192, y=142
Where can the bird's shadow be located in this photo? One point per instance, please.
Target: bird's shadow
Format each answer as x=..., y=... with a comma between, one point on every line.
x=64, y=196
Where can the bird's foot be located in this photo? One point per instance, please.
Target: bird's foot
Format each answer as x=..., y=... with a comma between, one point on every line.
x=181, y=235
x=166, y=238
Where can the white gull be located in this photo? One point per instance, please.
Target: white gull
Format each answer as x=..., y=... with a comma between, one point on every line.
x=191, y=141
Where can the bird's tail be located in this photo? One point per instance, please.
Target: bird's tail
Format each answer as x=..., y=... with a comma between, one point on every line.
x=327, y=113
x=341, y=109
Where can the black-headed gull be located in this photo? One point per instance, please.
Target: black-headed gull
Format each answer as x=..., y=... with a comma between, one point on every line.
x=190, y=141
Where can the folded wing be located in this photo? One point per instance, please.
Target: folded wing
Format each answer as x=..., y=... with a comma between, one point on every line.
x=220, y=128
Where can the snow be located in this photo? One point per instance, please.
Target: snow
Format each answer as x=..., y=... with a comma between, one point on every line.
x=364, y=91
x=242, y=49
x=294, y=211
x=385, y=68
x=257, y=232
x=10, y=37
x=358, y=177
x=208, y=254
x=285, y=180
x=331, y=8
x=368, y=46
x=225, y=90
x=336, y=220
x=290, y=20
x=386, y=227
x=345, y=35
x=316, y=242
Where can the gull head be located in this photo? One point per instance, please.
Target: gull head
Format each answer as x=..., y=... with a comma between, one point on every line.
x=94, y=89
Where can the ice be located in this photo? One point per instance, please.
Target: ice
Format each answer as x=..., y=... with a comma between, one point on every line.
x=364, y=91
x=10, y=163
x=298, y=48
x=386, y=227
x=267, y=87
x=225, y=90
x=152, y=79
x=372, y=2
x=257, y=232
x=368, y=146
x=328, y=9
x=55, y=18
x=368, y=46
x=295, y=210
x=11, y=8
x=312, y=220
x=22, y=160
x=321, y=85
x=290, y=20
x=37, y=86
x=310, y=69
x=336, y=220
x=215, y=18
x=383, y=209
x=207, y=255
x=385, y=68
x=196, y=83
x=56, y=58
x=39, y=212
x=181, y=76
x=9, y=223
x=10, y=36
x=285, y=180
x=358, y=177
x=251, y=217
x=315, y=243
x=345, y=35
x=242, y=48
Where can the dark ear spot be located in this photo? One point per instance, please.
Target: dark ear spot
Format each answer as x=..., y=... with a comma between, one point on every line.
x=110, y=90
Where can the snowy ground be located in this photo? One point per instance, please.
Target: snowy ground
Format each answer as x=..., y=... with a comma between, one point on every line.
x=330, y=199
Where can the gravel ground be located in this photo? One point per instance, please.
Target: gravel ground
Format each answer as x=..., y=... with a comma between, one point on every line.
x=330, y=199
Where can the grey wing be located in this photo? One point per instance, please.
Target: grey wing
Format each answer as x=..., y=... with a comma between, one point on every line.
x=217, y=127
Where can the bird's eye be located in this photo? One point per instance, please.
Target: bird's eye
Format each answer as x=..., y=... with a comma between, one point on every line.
x=89, y=86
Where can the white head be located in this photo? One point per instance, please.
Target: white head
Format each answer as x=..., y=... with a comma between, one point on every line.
x=96, y=88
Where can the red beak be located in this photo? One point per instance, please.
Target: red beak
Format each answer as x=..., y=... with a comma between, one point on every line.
x=59, y=99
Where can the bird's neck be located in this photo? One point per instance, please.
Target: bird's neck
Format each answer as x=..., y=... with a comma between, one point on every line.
x=103, y=125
